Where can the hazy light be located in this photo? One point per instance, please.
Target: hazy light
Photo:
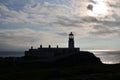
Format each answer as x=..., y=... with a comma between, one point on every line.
x=101, y=50
x=99, y=8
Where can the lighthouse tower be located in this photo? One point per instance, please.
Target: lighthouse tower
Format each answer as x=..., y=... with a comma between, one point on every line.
x=71, y=40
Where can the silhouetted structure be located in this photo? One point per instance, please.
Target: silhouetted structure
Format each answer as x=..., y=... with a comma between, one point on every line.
x=71, y=40
x=70, y=55
x=50, y=54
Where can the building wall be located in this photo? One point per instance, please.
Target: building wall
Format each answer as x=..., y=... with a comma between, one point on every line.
x=51, y=53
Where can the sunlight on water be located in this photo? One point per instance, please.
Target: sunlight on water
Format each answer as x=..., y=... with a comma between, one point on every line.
x=108, y=56
x=100, y=50
x=110, y=62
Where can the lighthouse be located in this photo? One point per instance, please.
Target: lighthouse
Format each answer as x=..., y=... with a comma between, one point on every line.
x=49, y=54
x=71, y=40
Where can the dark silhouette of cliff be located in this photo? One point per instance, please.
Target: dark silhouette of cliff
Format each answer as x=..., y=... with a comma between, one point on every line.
x=83, y=57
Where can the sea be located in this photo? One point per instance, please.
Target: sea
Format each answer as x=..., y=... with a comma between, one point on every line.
x=107, y=57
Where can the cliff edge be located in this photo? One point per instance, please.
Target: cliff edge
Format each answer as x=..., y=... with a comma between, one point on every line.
x=83, y=57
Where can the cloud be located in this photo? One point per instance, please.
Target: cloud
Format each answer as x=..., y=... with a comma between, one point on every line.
x=64, y=18
x=114, y=8
x=105, y=31
x=27, y=37
x=34, y=13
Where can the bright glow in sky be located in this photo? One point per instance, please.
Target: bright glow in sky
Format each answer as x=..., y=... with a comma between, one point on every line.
x=99, y=8
x=25, y=23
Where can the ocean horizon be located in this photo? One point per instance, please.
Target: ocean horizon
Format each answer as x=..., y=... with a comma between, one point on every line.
x=107, y=57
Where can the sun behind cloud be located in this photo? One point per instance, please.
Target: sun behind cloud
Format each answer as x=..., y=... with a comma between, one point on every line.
x=97, y=8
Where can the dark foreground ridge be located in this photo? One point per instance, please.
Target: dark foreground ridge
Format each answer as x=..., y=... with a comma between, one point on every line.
x=12, y=70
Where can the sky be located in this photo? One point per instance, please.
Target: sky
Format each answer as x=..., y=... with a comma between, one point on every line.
x=26, y=23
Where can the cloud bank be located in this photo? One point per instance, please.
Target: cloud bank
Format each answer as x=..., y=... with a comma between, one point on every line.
x=56, y=19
